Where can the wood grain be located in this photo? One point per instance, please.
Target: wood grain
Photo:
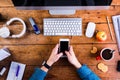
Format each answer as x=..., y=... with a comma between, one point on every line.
x=33, y=49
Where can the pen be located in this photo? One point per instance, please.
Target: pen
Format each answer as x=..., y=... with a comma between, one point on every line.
x=17, y=71
x=109, y=28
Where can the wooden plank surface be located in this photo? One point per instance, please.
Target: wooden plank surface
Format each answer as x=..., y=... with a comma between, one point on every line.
x=34, y=49
x=40, y=39
x=34, y=56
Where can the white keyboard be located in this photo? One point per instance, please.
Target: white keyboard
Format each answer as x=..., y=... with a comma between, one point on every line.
x=62, y=26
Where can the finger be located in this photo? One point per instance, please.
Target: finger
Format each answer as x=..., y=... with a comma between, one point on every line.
x=71, y=50
x=67, y=53
x=60, y=55
x=56, y=49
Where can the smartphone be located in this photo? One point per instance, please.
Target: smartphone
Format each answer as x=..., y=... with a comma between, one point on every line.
x=64, y=46
x=118, y=66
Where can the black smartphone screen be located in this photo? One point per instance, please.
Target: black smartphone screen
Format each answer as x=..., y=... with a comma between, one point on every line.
x=64, y=46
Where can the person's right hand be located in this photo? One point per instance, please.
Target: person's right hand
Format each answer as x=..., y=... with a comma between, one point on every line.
x=72, y=58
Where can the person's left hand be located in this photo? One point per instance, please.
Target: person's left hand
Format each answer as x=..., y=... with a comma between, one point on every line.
x=54, y=57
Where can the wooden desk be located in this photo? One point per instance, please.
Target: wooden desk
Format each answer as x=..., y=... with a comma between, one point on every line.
x=33, y=49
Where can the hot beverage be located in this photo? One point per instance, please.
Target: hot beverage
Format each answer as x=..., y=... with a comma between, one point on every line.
x=106, y=54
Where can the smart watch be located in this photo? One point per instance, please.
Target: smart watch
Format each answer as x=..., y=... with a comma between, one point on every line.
x=46, y=65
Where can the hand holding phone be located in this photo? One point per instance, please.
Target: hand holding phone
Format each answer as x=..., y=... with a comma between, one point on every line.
x=64, y=46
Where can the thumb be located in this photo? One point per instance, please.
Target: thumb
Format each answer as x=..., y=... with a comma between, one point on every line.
x=67, y=53
x=60, y=54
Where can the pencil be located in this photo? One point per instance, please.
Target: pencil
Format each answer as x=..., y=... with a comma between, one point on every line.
x=109, y=28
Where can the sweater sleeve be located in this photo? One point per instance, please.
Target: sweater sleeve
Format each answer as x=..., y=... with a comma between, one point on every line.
x=86, y=74
x=38, y=74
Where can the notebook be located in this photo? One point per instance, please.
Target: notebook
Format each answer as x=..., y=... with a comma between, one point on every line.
x=116, y=23
x=13, y=70
x=4, y=53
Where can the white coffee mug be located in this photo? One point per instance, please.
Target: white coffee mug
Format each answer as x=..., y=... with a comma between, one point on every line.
x=107, y=54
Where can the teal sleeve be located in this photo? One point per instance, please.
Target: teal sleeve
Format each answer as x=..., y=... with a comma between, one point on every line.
x=86, y=74
x=38, y=74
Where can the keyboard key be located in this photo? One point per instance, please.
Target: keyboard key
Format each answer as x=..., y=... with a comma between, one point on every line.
x=63, y=34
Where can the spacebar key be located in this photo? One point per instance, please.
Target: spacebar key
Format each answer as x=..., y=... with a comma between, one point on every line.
x=62, y=34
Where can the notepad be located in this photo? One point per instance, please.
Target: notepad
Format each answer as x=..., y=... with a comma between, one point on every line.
x=13, y=69
x=4, y=54
x=116, y=22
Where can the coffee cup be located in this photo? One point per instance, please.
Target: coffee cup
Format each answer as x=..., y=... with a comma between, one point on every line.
x=107, y=54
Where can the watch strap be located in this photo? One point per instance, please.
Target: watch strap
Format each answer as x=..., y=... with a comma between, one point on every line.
x=46, y=65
